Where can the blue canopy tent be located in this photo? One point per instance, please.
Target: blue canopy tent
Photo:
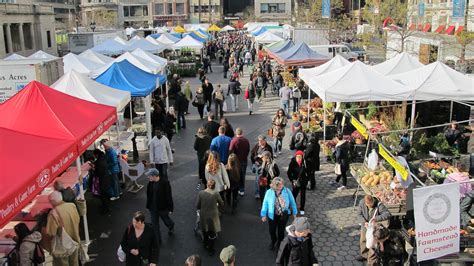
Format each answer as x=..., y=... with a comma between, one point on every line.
x=286, y=44
x=203, y=32
x=177, y=35
x=155, y=35
x=125, y=76
x=259, y=31
x=300, y=55
x=196, y=37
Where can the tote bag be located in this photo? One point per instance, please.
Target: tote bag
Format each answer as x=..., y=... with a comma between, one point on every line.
x=62, y=245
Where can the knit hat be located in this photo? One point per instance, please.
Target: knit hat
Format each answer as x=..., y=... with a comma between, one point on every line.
x=152, y=172
x=299, y=152
x=301, y=224
x=296, y=124
x=227, y=255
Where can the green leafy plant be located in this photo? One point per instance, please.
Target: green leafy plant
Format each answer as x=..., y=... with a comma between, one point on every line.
x=371, y=111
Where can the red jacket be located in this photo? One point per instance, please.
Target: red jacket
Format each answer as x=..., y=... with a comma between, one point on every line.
x=240, y=146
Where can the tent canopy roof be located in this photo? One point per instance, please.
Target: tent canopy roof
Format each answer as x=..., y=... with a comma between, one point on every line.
x=139, y=62
x=42, y=55
x=96, y=57
x=402, y=62
x=150, y=57
x=188, y=42
x=14, y=57
x=437, y=81
x=179, y=29
x=109, y=47
x=259, y=31
x=79, y=64
x=214, y=27
x=125, y=76
x=167, y=38
x=357, y=82
x=120, y=40
x=268, y=37
x=145, y=45
x=81, y=86
x=337, y=62
x=300, y=55
x=228, y=28
x=281, y=46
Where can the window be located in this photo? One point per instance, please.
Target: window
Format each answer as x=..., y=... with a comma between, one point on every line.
x=330, y=50
x=169, y=9
x=136, y=11
x=126, y=11
x=48, y=38
x=145, y=10
x=281, y=8
x=263, y=8
x=179, y=8
x=159, y=10
x=272, y=8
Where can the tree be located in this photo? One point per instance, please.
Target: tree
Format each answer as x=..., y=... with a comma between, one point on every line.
x=105, y=18
x=249, y=14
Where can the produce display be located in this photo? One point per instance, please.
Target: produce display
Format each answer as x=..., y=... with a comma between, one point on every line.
x=372, y=178
x=438, y=170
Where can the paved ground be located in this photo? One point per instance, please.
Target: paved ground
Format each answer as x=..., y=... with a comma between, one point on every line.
x=330, y=211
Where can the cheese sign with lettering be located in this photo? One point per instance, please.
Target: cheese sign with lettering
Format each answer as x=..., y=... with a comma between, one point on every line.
x=361, y=128
x=393, y=162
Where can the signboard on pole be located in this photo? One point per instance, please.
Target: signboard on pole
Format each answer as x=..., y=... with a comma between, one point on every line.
x=361, y=128
x=393, y=162
x=436, y=220
x=326, y=9
x=458, y=8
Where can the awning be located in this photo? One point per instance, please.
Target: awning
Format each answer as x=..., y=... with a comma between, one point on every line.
x=412, y=27
x=427, y=27
x=450, y=30
x=440, y=29
x=459, y=30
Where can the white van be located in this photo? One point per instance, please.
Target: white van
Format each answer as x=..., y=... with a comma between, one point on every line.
x=330, y=50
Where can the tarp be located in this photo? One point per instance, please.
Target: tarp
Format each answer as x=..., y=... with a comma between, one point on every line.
x=228, y=28
x=214, y=28
x=279, y=47
x=139, y=62
x=203, y=33
x=145, y=45
x=188, y=42
x=109, y=47
x=42, y=55
x=267, y=37
x=357, y=82
x=82, y=87
x=196, y=37
x=167, y=38
x=179, y=29
x=437, y=81
x=96, y=57
x=125, y=76
x=300, y=55
x=14, y=57
x=42, y=131
x=337, y=62
x=79, y=64
x=259, y=31
x=120, y=40
x=150, y=57
x=401, y=63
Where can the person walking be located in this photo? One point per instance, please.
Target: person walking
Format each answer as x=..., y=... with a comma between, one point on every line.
x=240, y=146
x=285, y=95
x=267, y=172
x=226, y=68
x=296, y=249
x=278, y=204
x=188, y=94
x=233, y=90
x=113, y=168
x=299, y=139
x=159, y=201
x=199, y=102
x=296, y=95
x=311, y=156
x=233, y=172
x=208, y=203
x=215, y=170
x=208, y=89
x=193, y=260
x=342, y=162
x=181, y=106
x=139, y=243
x=250, y=94
x=157, y=117
x=65, y=215
x=298, y=175
x=202, y=142
x=370, y=210
x=228, y=254
x=170, y=124
x=256, y=156
x=229, y=131
x=26, y=244
x=160, y=153
x=279, y=122
x=212, y=127
x=259, y=84
x=219, y=100
x=220, y=144
x=99, y=169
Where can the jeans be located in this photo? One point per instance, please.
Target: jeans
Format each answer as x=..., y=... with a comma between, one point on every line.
x=232, y=193
x=278, y=224
x=218, y=110
x=344, y=178
x=155, y=220
x=181, y=120
x=243, y=171
x=296, y=191
x=200, y=108
x=285, y=105
x=115, y=185
x=163, y=169
x=278, y=144
x=250, y=104
x=296, y=104
x=234, y=102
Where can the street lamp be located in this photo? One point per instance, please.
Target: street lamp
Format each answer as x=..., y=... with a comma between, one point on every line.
x=92, y=25
x=77, y=24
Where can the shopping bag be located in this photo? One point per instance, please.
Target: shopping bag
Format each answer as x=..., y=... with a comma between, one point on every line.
x=337, y=169
x=224, y=106
x=121, y=254
x=83, y=253
x=369, y=235
x=62, y=244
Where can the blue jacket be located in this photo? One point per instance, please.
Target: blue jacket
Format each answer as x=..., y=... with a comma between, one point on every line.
x=268, y=205
x=220, y=144
x=113, y=166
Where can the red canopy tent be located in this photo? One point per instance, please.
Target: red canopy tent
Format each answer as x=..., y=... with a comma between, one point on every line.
x=42, y=131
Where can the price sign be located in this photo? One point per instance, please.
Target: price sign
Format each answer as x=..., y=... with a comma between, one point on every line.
x=361, y=128
x=393, y=162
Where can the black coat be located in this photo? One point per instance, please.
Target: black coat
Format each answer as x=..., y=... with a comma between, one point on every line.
x=207, y=90
x=233, y=87
x=100, y=171
x=163, y=199
x=147, y=246
x=257, y=150
x=181, y=103
x=169, y=124
x=299, y=141
x=296, y=253
x=201, y=145
x=342, y=155
x=311, y=155
x=296, y=172
x=212, y=128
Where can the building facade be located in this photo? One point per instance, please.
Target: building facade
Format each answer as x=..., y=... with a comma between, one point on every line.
x=273, y=10
x=26, y=29
x=206, y=11
x=170, y=12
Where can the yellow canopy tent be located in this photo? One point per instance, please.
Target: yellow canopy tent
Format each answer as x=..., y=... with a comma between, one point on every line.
x=179, y=29
x=214, y=28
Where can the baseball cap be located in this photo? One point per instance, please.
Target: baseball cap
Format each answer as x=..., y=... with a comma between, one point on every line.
x=152, y=172
x=227, y=255
x=301, y=224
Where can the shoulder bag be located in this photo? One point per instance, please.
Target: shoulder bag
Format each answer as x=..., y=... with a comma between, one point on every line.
x=62, y=245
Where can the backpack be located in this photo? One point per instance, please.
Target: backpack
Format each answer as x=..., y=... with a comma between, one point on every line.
x=301, y=141
x=38, y=255
x=219, y=95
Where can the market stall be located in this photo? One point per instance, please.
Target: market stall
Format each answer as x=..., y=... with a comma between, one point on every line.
x=96, y=57
x=143, y=64
x=401, y=63
x=82, y=65
x=146, y=45
x=300, y=55
x=267, y=37
x=188, y=42
x=109, y=47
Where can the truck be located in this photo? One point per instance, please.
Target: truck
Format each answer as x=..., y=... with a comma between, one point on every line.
x=310, y=36
x=80, y=42
x=16, y=74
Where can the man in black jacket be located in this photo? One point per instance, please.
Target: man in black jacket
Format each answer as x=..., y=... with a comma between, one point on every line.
x=311, y=156
x=212, y=127
x=100, y=171
x=297, y=247
x=159, y=201
x=299, y=140
x=180, y=105
x=208, y=89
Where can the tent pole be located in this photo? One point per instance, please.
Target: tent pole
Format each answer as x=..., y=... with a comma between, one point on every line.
x=324, y=121
x=81, y=197
x=451, y=111
x=131, y=116
x=309, y=99
x=412, y=119
x=147, y=100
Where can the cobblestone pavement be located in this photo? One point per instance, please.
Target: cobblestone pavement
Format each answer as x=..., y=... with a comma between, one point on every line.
x=330, y=211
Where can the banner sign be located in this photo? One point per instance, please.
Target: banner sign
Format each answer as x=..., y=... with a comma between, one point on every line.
x=361, y=128
x=436, y=220
x=326, y=9
x=458, y=8
x=421, y=9
x=393, y=162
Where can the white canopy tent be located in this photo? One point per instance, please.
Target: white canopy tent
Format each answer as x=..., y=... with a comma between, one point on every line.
x=42, y=55
x=145, y=45
x=161, y=29
x=152, y=40
x=14, y=57
x=120, y=40
x=129, y=31
x=228, y=28
x=188, y=42
x=109, y=47
x=150, y=57
x=167, y=39
x=79, y=64
x=194, y=27
x=96, y=57
x=401, y=63
x=251, y=26
x=267, y=37
x=139, y=62
x=357, y=82
x=337, y=62
x=81, y=86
